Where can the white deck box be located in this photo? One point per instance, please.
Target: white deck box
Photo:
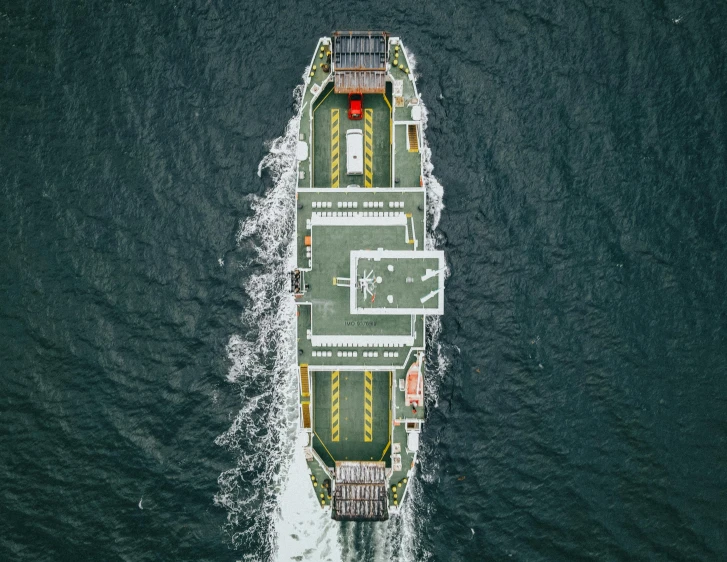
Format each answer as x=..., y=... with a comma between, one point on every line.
x=354, y=152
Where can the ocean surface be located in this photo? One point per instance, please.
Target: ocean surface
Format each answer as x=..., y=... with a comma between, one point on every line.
x=577, y=382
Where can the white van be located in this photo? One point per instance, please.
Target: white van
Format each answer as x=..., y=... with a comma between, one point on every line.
x=354, y=152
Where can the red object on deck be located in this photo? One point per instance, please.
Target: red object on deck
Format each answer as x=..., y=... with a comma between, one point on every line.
x=355, y=106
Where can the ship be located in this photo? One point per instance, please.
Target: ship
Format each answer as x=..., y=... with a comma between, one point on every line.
x=363, y=280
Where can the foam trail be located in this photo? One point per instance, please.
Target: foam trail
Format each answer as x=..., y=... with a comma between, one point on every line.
x=262, y=363
x=270, y=505
x=303, y=531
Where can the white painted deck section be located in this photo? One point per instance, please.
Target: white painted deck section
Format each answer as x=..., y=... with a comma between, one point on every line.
x=395, y=254
x=362, y=341
x=367, y=218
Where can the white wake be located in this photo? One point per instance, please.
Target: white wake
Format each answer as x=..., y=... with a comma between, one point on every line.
x=263, y=432
x=271, y=509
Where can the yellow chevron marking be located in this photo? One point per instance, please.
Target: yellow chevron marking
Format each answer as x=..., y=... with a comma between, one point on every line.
x=305, y=408
x=335, y=149
x=369, y=148
x=335, y=406
x=304, y=381
x=368, y=406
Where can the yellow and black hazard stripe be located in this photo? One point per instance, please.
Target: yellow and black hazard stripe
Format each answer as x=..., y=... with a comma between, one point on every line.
x=368, y=406
x=335, y=148
x=335, y=406
x=369, y=148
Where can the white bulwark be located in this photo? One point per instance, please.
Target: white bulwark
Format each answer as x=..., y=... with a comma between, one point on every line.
x=362, y=341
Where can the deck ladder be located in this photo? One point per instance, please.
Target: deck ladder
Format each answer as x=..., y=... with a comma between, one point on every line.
x=413, y=137
x=304, y=380
x=305, y=407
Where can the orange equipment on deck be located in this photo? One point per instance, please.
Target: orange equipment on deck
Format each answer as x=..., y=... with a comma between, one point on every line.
x=414, y=386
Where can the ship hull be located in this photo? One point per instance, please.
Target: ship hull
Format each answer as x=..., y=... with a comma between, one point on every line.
x=363, y=281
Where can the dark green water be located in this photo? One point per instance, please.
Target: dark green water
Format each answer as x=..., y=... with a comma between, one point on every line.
x=579, y=381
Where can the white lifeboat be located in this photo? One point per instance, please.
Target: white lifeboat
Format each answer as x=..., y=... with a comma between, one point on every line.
x=414, y=386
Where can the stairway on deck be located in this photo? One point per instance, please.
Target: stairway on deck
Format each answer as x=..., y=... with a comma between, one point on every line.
x=413, y=138
x=304, y=380
x=305, y=391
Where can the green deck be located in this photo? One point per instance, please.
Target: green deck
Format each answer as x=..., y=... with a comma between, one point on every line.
x=331, y=304
x=322, y=138
x=384, y=359
x=351, y=444
x=407, y=166
x=413, y=202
